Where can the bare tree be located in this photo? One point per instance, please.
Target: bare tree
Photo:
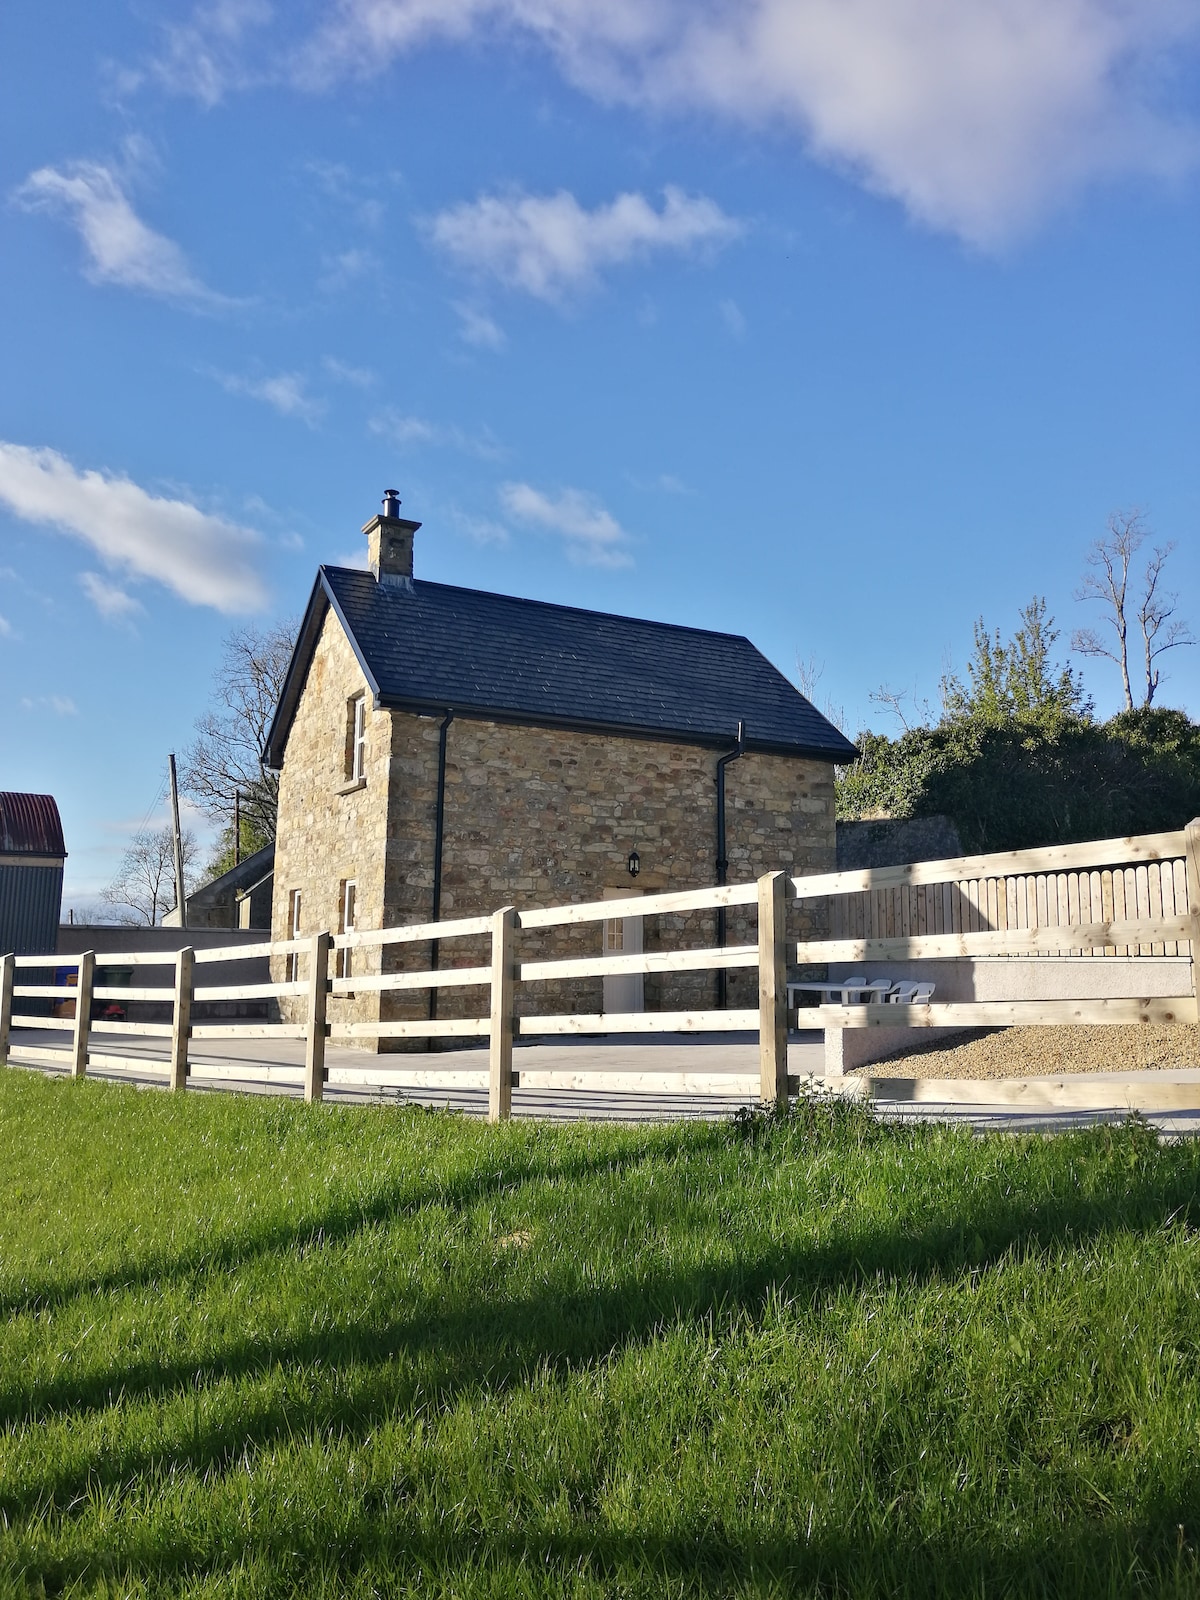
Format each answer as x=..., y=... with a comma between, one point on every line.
x=227, y=755
x=1147, y=614
x=144, y=887
x=893, y=700
x=809, y=672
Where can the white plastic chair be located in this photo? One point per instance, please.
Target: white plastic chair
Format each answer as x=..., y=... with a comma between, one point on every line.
x=844, y=990
x=879, y=989
x=912, y=994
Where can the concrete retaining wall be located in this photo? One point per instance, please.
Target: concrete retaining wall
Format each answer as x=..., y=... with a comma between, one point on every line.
x=998, y=978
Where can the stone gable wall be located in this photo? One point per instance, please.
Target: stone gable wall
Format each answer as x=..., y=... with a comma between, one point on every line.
x=327, y=831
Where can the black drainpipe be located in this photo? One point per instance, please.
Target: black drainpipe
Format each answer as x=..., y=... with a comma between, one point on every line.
x=438, y=835
x=722, y=861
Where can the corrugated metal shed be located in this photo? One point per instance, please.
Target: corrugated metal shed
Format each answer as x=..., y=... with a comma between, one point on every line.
x=30, y=825
x=32, y=852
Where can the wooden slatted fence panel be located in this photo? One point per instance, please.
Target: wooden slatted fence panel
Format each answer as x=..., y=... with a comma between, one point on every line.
x=1147, y=892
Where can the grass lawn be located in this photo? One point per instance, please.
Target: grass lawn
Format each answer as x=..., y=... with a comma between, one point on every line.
x=257, y=1348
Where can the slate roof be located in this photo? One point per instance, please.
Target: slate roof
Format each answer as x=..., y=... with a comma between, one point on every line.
x=30, y=825
x=430, y=647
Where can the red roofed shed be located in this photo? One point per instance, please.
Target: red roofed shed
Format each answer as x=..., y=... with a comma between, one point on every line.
x=32, y=853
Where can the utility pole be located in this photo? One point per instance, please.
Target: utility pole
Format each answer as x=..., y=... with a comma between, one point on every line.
x=180, y=897
x=237, y=827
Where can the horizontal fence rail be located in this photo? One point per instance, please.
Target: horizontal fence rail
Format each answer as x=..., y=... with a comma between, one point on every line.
x=1135, y=896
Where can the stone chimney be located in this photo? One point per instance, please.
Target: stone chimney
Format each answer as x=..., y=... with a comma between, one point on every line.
x=390, y=543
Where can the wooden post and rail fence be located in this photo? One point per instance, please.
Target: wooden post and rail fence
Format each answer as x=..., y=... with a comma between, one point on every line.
x=1166, y=920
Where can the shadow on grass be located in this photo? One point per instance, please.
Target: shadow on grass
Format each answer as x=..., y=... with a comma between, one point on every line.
x=448, y=1351
x=336, y=1224
x=380, y=1551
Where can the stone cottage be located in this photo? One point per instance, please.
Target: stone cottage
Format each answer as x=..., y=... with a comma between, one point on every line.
x=446, y=751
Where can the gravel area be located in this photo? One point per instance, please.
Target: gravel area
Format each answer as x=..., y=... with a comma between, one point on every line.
x=1047, y=1052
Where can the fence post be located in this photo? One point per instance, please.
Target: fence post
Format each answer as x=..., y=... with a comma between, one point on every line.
x=318, y=995
x=500, y=1038
x=1192, y=843
x=8, y=974
x=772, y=987
x=181, y=1016
x=83, y=1013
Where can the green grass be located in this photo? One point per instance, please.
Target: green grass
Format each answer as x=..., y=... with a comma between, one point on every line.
x=254, y=1348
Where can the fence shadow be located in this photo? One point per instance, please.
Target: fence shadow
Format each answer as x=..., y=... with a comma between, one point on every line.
x=435, y=1351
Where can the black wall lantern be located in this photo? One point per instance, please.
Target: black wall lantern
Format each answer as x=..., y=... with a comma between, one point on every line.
x=634, y=863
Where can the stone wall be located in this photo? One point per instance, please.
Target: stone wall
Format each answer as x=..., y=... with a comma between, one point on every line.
x=892, y=841
x=537, y=817
x=329, y=829
x=533, y=817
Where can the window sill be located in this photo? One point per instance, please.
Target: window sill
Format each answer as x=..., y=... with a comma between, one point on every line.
x=352, y=787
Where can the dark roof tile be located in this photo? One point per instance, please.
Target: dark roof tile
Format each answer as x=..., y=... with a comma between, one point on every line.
x=433, y=646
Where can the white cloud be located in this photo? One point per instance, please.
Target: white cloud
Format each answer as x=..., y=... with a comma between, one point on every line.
x=551, y=246
x=408, y=432
x=477, y=328
x=6, y=628
x=662, y=483
x=284, y=393
x=60, y=704
x=349, y=266
x=343, y=372
x=977, y=115
x=204, y=559
x=592, y=535
x=733, y=317
x=121, y=248
x=482, y=530
x=202, y=56
x=109, y=599
x=354, y=191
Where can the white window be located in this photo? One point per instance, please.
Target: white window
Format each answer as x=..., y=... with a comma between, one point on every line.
x=614, y=935
x=293, y=960
x=356, y=766
x=347, y=900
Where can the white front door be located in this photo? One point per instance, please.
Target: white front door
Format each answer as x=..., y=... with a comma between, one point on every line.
x=623, y=991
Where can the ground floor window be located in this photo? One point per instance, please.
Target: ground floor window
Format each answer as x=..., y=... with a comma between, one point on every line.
x=293, y=960
x=347, y=899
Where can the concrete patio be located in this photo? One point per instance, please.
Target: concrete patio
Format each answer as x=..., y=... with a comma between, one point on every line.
x=614, y=1078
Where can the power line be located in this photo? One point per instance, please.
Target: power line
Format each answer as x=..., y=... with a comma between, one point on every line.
x=161, y=795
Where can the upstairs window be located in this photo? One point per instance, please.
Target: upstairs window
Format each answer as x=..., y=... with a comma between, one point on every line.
x=356, y=738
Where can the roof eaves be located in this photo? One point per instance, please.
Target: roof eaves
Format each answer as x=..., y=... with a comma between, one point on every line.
x=372, y=680
x=293, y=681
x=708, y=738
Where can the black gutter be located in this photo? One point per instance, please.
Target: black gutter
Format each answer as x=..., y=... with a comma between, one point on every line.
x=439, y=833
x=722, y=861
x=838, y=755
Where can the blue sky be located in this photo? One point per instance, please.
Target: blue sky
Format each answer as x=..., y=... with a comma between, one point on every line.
x=837, y=326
